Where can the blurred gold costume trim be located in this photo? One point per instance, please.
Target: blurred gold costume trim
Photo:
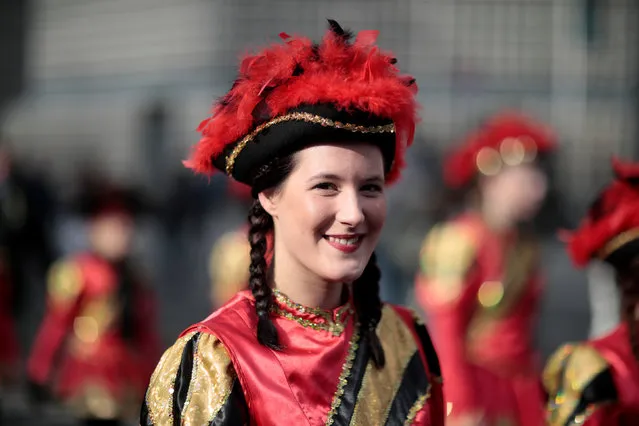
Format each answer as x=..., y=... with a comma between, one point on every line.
x=520, y=263
x=229, y=266
x=568, y=371
x=64, y=282
x=446, y=256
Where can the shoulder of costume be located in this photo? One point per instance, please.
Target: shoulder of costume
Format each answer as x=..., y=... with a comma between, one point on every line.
x=196, y=373
x=458, y=235
x=578, y=381
x=65, y=279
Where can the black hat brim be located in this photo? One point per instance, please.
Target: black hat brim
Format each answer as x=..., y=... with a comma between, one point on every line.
x=287, y=137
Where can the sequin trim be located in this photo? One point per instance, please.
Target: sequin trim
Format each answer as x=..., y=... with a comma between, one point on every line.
x=346, y=372
x=325, y=321
x=159, y=395
x=308, y=118
x=618, y=241
x=194, y=370
x=417, y=406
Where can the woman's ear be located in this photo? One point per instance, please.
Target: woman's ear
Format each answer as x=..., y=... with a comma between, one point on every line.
x=268, y=200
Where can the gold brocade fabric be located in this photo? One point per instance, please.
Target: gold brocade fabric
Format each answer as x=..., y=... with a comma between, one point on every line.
x=379, y=387
x=210, y=385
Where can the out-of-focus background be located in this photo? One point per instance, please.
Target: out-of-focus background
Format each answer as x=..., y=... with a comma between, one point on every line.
x=116, y=88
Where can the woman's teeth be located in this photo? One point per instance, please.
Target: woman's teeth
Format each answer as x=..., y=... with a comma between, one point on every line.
x=344, y=241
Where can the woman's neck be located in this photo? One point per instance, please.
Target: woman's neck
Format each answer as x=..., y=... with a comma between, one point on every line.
x=304, y=287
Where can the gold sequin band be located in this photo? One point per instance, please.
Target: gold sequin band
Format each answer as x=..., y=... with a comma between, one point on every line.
x=417, y=406
x=343, y=377
x=308, y=118
x=336, y=327
x=617, y=242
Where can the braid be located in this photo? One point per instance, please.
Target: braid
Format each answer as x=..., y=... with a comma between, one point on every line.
x=261, y=223
x=368, y=307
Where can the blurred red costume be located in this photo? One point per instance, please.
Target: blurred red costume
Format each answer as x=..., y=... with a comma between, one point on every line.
x=481, y=289
x=92, y=351
x=596, y=383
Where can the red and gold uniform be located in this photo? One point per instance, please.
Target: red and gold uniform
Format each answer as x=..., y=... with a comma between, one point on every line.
x=217, y=372
x=596, y=382
x=83, y=351
x=481, y=289
x=97, y=343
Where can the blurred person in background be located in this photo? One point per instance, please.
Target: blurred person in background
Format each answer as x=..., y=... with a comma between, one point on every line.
x=26, y=250
x=479, y=281
x=97, y=343
x=317, y=131
x=231, y=254
x=596, y=383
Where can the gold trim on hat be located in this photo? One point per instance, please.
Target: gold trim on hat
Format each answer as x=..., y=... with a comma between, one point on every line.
x=617, y=242
x=512, y=152
x=308, y=118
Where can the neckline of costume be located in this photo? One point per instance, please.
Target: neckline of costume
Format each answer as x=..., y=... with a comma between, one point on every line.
x=333, y=320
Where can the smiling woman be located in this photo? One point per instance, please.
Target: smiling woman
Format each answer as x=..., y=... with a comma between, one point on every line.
x=317, y=131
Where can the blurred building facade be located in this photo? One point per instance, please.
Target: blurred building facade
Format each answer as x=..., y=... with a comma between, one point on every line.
x=95, y=72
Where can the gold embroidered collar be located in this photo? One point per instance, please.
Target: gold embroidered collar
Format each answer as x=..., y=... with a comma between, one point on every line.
x=334, y=320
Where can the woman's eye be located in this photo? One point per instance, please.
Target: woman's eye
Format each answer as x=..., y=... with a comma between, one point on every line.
x=374, y=188
x=326, y=186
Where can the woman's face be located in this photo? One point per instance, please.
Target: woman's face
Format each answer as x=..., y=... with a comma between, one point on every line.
x=329, y=212
x=519, y=191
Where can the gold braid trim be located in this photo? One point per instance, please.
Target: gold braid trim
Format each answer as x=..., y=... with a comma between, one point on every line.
x=346, y=371
x=419, y=404
x=617, y=242
x=308, y=118
x=324, y=320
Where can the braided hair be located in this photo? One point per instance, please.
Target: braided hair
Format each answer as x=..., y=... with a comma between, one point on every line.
x=368, y=305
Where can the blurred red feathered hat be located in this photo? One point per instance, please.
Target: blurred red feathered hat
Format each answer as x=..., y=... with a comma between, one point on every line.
x=507, y=139
x=294, y=94
x=610, y=230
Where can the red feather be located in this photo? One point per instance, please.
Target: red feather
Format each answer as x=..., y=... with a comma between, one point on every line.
x=351, y=77
x=614, y=212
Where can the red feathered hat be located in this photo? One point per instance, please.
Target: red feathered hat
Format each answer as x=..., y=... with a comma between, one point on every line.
x=298, y=93
x=507, y=139
x=610, y=230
